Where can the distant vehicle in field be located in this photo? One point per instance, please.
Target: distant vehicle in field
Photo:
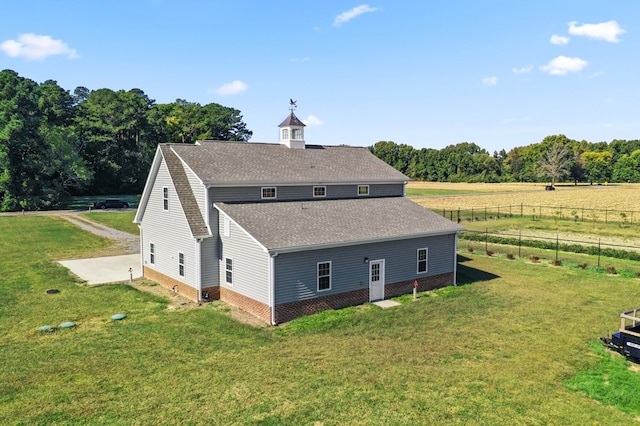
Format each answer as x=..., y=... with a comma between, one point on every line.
x=550, y=188
x=111, y=204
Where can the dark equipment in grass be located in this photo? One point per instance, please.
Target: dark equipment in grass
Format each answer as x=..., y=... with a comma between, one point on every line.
x=627, y=340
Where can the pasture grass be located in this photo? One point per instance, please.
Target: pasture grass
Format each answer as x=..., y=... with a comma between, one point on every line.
x=504, y=347
x=622, y=197
x=416, y=191
x=121, y=220
x=513, y=224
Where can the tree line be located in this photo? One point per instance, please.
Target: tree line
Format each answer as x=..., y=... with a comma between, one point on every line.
x=55, y=144
x=556, y=158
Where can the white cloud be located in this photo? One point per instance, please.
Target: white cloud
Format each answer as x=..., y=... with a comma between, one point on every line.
x=563, y=65
x=559, y=40
x=523, y=70
x=32, y=46
x=353, y=13
x=490, y=81
x=607, y=31
x=232, y=88
x=312, y=120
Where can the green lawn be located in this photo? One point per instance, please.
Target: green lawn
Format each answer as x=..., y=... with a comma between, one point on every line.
x=122, y=220
x=513, y=345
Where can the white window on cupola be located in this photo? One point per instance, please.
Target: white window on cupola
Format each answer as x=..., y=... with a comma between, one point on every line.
x=285, y=134
x=297, y=134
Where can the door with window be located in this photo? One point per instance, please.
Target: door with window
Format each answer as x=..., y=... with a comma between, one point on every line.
x=376, y=280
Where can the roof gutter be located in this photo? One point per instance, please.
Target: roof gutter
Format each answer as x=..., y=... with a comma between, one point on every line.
x=359, y=242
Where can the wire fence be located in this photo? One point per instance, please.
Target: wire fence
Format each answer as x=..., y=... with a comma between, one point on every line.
x=521, y=241
x=537, y=212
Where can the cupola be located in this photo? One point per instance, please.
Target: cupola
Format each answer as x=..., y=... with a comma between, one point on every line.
x=292, y=129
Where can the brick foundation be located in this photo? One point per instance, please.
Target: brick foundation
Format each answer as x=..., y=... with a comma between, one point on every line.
x=170, y=283
x=245, y=303
x=424, y=284
x=288, y=311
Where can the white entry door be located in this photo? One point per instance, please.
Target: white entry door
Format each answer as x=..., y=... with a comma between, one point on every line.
x=376, y=280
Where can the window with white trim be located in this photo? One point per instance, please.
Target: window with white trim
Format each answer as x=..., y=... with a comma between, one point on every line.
x=227, y=226
x=324, y=276
x=181, y=264
x=285, y=134
x=152, y=253
x=422, y=260
x=268, y=192
x=165, y=198
x=228, y=269
x=296, y=134
x=319, y=191
x=363, y=189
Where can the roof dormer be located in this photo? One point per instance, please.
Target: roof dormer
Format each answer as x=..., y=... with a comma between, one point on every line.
x=292, y=130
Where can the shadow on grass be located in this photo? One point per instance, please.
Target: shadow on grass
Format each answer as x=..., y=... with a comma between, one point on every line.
x=468, y=275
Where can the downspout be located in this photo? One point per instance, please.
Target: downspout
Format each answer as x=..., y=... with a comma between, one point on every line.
x=198, y=272
x=141, y=251
x=272, y=286
x=455, y=259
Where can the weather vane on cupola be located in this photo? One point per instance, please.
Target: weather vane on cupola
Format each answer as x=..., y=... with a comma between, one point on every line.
x=292, y=105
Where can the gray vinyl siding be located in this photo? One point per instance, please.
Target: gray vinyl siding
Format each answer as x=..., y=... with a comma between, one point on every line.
x=296, y=273
x=303, y=192
x=168, y=231
x=250, y=263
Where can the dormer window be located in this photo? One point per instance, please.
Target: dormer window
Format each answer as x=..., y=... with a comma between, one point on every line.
x=363, y=190
x=268, y=192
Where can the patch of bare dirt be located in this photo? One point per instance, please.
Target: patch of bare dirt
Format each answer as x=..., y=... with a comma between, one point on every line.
x=179, y=302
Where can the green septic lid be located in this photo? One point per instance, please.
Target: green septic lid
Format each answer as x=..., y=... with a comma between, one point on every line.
x=118, y=317
x=49, y=328
x=67, y=324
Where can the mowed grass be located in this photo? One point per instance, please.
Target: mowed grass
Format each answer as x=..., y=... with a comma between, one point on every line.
x=625, y=197
x=121, y=220
x=501, y=349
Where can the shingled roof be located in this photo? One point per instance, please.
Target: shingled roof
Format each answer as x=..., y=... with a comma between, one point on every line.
x=220, y=163
x=185, y=193
x=291, y=226
x=292, y=120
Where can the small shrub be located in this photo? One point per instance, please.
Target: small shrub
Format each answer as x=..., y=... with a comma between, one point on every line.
x=534, y=259
x=582, y=266
x=611, y=270
x=557, y=262
x=510, y=256
x=489, y=253
x=470, y=249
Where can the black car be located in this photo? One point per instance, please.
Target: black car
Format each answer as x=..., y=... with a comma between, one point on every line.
x=111, y=204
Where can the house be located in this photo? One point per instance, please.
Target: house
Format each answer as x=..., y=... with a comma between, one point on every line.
x=289, y=229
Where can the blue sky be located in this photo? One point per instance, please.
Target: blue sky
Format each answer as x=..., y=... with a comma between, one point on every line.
x=424, y=73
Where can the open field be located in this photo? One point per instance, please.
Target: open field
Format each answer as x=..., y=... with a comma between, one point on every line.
x=507, y=347
x=616, y=197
